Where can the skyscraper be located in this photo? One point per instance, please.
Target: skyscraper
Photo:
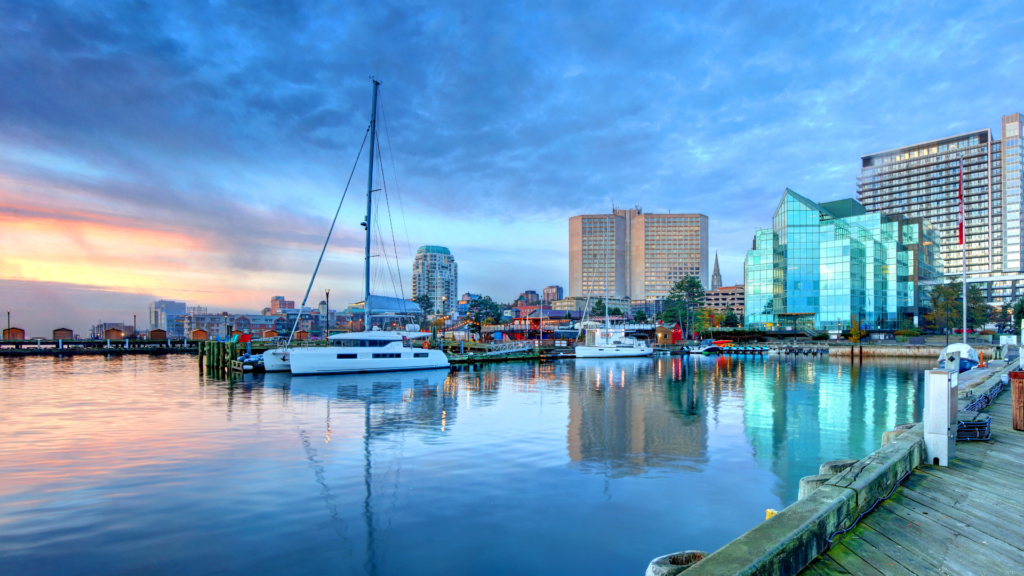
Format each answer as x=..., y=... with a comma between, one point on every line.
x=642, y=255
x=552, y=293
x=163, y=313
x=921, y=180
x=716, y=276
x=435, y=274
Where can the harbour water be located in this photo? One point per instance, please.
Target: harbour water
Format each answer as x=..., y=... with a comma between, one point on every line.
x=139, y=465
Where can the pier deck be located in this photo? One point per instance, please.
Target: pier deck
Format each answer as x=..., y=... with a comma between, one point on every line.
x=964, y=519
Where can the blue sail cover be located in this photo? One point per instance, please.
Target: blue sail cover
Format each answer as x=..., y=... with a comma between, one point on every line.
x=386, y=305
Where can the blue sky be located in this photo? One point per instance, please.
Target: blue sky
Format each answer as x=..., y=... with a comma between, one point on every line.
x=197, y=150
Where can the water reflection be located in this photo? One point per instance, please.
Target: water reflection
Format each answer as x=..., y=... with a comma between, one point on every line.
x=130, y=463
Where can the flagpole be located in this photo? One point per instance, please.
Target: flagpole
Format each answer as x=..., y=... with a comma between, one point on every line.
x=963, y=244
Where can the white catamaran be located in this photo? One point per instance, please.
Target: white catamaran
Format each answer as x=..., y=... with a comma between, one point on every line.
x=373, y=350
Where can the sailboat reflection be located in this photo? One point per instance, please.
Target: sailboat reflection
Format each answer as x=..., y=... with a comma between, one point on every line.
x=393, y=403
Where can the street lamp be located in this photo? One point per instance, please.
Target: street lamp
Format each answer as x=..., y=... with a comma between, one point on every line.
x=135, y=329
x=444, y=310
x=327, y=291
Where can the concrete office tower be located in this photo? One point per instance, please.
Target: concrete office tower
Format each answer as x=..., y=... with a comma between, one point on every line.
x=716, y=276
x=552, y=293
x=435, y=273
x=921, y=181
x=645, y=253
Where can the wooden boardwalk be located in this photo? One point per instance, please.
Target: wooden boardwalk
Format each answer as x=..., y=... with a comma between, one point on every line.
x=964, y=519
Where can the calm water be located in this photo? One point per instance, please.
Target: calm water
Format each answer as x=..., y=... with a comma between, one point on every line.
x=138, y=465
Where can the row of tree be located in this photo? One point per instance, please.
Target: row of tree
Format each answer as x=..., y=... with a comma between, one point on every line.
x=946, y=301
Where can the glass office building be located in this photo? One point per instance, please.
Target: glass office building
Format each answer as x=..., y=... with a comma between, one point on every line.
x=820, y=265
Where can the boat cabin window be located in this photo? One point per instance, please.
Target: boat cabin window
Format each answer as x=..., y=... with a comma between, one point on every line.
x=362, y=343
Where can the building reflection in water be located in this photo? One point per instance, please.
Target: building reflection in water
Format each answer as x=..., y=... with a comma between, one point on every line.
x=627, y=416
x=798, y=413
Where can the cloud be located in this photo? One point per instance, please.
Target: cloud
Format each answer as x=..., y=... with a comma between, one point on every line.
x=227, y=131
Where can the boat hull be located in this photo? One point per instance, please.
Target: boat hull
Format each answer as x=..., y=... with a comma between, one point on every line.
x=277, y=360
x=611, y=351
x=326, y=360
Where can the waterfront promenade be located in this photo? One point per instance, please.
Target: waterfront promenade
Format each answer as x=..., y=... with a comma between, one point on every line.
x=964, y=519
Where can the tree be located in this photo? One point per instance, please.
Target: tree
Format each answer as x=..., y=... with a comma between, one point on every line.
x=640, y=316
x=1000, y=316
x=615, y=312
x=945, y=310
x=426, y=304
x=1018, y=314
x=977, y=311
x=598, y=307
x=731, y=320
x=855, y=332
x=685, y=298
x=482, y=311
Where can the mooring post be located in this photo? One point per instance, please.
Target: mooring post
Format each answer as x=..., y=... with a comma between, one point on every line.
x=940, y=408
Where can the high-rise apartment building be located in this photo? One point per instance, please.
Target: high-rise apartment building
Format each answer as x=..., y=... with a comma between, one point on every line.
x=435, y=273
x=552, y=293
x=922, y=179
x=641, y=255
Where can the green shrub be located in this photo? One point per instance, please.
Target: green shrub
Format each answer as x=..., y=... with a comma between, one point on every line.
x=820, y=337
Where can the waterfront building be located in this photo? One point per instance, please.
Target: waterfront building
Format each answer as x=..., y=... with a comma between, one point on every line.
x=102, y=328
x=163, y=313
x=921, y=181
x=435, y=274
x=642, y=255
x=63, y=334
x=552, y=293
x=465, y=300
x=650, y=307
x=716, y=276
x=570, y=303
x=529, y=297
x=822, y=264
x=725, y=297
x=278, y=303
x=13, y=333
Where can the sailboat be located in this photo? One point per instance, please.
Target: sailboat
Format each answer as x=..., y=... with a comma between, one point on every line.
x=372, y=350
x=608, y=341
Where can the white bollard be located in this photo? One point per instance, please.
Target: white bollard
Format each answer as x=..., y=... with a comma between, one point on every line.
x=940, y=409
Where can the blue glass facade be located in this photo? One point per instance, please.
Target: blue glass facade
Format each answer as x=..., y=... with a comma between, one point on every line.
x=821, y=265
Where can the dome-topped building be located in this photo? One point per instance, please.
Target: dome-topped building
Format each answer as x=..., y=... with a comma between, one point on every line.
x=435, y=274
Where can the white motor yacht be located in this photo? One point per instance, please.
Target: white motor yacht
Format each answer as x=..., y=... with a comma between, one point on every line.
x=371, y=351
x=276, y=360
x=610, y=342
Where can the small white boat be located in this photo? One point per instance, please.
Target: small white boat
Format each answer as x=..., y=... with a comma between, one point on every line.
x=968, y=356
x=611, y=342
x=371, y=351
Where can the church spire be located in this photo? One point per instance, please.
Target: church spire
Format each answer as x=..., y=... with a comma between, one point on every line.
x=716, y=276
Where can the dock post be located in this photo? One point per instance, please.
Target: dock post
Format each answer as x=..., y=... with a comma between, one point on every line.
x=940, y=408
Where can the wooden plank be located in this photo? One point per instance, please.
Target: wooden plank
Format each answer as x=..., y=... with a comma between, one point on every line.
x=859, y=557
x=851, y=562
x=973, y=526
x=827, y=566
x=907, y=559
x=977, y=502
x=1009, y=532
x=969, y=485
x=924, y=539
x=972, y=479
x=990, y=465
x=981, y=555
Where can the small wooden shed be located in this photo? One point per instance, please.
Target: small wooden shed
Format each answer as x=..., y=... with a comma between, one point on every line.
x=13, y=333
x=270, y=333
x=301, y=335
x=664, y=335
x=113, y=334
x=198, y=335
x=157, y=334
x=63, y=334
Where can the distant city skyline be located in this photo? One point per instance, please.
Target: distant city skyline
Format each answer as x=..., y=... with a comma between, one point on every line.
x=204, y=152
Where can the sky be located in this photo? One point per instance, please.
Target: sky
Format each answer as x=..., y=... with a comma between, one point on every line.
x=197, y=151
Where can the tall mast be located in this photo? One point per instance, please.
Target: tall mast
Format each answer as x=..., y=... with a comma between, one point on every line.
x=369, y=206
x=611, y=236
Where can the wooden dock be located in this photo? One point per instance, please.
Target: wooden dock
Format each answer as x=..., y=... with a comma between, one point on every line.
x=964, y=519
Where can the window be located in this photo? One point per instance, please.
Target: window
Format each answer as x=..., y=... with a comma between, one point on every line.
x=347, y=356
x=421, y=355
x=387, y=356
